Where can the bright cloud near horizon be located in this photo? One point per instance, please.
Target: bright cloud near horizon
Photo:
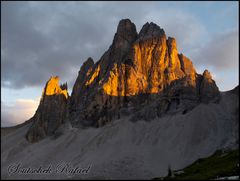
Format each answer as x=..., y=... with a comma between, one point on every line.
x=41, y=39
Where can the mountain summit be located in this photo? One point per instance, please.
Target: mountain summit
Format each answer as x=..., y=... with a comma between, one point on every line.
x=137, y=68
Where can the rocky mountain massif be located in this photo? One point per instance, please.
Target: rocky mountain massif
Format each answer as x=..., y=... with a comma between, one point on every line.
x=141, y=74
x=139, y=109
x=135, y=70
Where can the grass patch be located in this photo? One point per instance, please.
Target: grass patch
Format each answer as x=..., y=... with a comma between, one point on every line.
x=220, y=164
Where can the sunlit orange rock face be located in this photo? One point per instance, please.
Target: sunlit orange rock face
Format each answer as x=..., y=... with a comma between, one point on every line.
x=137, y=64
x=51, y=112
x=93, y=76
x=53, y=88
x=153, y=64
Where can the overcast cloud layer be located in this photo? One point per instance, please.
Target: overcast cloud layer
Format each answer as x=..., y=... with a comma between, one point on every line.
x=40, y=39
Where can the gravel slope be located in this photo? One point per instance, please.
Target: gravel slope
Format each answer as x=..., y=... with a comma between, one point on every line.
x=127, y=150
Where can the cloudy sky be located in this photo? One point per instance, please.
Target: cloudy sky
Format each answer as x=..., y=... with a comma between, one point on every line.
x=41, y=39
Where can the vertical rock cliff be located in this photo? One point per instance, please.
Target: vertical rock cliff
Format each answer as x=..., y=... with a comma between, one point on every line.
x=51, y=112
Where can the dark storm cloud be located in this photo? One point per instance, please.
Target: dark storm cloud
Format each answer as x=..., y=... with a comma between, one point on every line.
x=40, y=39
x=43, y=39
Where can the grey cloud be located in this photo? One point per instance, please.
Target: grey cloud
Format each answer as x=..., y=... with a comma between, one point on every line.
x=40, y=39
x=221, y=52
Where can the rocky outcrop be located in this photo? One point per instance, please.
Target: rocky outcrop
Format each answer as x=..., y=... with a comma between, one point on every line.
x=138, y=70
x=208, y=88
x=51, y=112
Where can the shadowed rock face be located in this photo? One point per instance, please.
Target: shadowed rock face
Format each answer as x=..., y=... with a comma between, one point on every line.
x=208, y=88
x=51, y=112
x=138, y=71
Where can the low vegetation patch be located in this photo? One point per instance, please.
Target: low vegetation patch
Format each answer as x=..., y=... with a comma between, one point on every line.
x=220, y=164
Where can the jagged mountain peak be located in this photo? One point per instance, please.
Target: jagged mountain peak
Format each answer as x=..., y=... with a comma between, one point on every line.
x=51, y=112
x=126, y=33
x=148, y=63
x=52, y=87
x=125, y=25
x=89, y=61
x=207, y=74
x=151, y=30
